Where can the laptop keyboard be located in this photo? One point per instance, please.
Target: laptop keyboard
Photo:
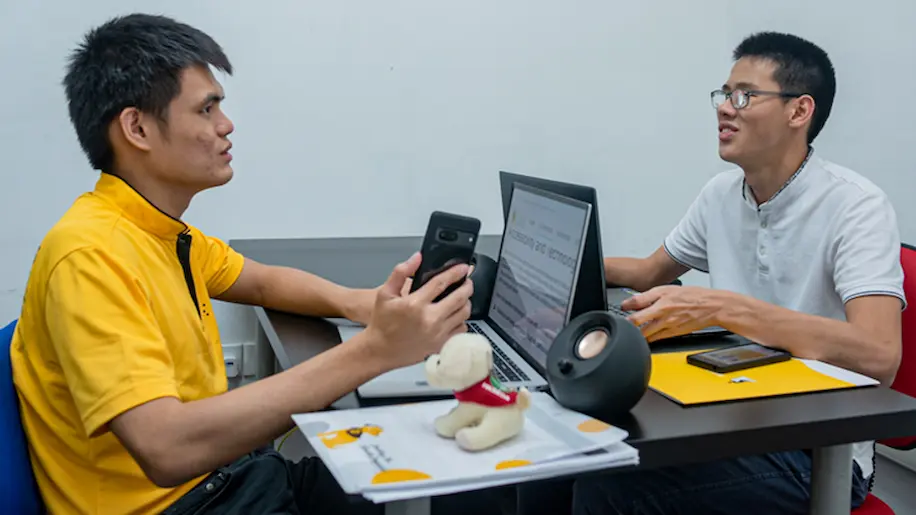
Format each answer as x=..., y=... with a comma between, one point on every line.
x=506, y=371
x=618, y=310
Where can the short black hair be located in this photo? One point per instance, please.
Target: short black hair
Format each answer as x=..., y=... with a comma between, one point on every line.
x=131, y=61
x=801, y=67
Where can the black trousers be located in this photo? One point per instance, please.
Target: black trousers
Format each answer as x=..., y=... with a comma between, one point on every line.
x=264, y=482
x=776, y=483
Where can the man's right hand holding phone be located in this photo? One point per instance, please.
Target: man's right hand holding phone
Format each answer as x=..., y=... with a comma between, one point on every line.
x=406, y=327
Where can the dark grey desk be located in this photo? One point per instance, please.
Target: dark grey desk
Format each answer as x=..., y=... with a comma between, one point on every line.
x=664, y=433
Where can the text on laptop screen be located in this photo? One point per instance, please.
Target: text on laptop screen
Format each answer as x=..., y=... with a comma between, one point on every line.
x=538, y=267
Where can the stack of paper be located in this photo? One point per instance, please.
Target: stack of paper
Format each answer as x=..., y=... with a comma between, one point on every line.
x=393, y=452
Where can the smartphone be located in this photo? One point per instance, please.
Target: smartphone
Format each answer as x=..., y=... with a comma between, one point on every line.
x=738, y=357
x=450, y=240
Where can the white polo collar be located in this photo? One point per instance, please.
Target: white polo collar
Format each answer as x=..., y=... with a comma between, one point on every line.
x=786, y=192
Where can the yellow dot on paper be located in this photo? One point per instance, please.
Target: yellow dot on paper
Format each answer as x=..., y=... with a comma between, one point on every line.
x=398, y=476
x=593, y=426
x=511, y=463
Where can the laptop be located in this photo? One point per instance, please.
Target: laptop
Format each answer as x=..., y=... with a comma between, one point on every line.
x=591, y=289
x=536, y=277
x=592, y=293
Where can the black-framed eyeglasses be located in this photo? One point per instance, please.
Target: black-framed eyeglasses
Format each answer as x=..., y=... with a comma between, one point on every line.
x=741, y=97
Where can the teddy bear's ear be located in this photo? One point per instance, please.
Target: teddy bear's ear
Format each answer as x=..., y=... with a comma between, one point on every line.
x=484, y=358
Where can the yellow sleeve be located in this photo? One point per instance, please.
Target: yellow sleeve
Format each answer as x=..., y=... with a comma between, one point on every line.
x=107, y=341
x=222, y=265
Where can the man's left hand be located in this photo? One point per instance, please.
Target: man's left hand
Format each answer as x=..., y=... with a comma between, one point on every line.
x=667, y=311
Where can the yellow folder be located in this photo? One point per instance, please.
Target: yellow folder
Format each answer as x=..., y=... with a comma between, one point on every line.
x=688, y=384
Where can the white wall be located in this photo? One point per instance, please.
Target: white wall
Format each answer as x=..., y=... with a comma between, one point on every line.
x=343, y=109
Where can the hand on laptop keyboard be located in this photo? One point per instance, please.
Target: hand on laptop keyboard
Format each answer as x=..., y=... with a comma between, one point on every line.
x=670, y=311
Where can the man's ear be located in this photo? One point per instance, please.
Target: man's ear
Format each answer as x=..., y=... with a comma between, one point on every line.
x=802, y=111
x=133, y=126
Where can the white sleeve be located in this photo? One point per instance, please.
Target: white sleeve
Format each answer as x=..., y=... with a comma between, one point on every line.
x=686, y=243
x=867, y=250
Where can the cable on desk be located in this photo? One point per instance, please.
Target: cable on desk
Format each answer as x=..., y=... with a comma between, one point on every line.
x=287, y=435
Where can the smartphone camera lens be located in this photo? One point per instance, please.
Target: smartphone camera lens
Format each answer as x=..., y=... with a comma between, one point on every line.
x=446, y=235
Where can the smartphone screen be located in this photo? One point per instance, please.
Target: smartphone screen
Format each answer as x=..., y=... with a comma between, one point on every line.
x=738, y=357
x=742, y=353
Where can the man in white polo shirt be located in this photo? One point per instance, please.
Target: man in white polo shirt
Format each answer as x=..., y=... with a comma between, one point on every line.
x=802, y=254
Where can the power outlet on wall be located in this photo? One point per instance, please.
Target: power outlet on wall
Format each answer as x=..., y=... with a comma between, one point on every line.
x=241, y=360
x=232, y=359
x=249, y=359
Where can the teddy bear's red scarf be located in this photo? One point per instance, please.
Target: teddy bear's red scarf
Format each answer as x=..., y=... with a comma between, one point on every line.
x=487, y=392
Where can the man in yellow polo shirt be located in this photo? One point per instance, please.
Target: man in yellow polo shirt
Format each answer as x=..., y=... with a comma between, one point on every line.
x=117, y=357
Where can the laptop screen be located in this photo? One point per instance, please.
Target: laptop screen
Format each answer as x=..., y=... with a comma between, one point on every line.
x=538, y=267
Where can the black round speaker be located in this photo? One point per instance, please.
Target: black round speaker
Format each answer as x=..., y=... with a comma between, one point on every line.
x=483, y=276
x=599, y=365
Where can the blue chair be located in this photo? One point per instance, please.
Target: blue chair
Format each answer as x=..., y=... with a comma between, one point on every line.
x=18, y=490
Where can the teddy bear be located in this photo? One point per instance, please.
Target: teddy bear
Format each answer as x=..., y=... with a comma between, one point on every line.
x=487, y=412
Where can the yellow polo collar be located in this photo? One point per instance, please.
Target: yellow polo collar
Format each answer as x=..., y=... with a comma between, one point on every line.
x=136, y=208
